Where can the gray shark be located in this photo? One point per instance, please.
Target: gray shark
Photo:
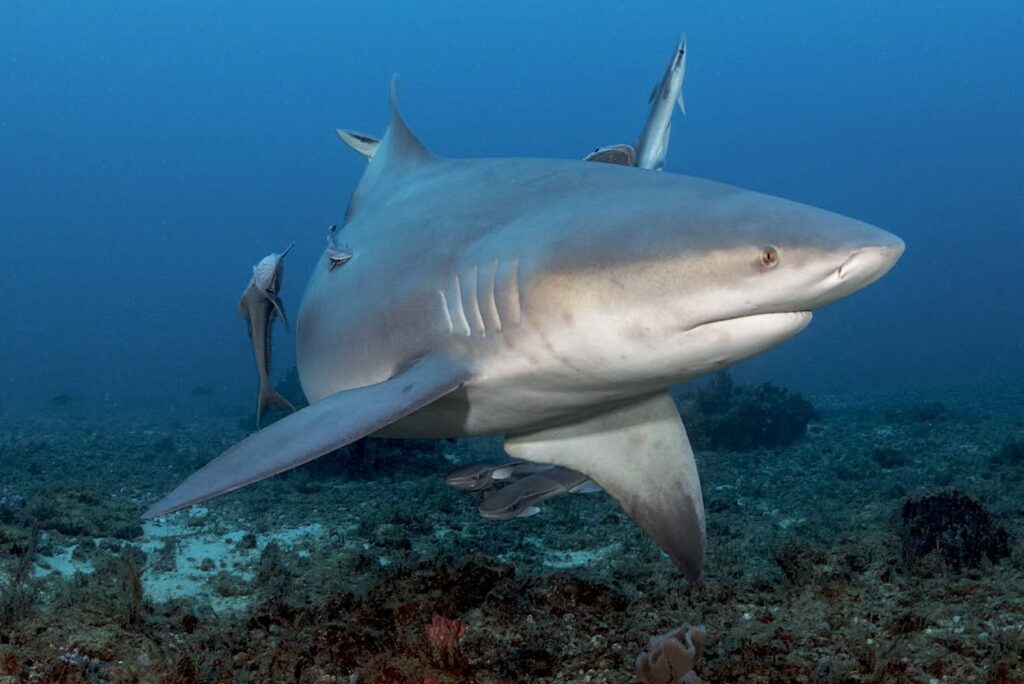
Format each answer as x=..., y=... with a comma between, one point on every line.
x=553, y=302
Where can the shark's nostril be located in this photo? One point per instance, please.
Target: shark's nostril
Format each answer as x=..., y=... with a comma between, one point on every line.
x=870, y=263
x=849, y=265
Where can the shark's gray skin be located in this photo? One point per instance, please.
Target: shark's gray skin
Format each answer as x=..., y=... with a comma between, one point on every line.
x=259, y=305
x=554, y=302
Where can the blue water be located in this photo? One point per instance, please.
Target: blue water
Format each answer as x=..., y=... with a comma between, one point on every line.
x=150, y=153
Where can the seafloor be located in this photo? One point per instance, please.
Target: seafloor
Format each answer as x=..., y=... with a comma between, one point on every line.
x=334, y=572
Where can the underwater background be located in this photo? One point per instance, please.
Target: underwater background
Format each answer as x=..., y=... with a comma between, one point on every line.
x=151, y=153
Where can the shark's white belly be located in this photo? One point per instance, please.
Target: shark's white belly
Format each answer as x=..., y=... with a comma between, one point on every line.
x=532, y=386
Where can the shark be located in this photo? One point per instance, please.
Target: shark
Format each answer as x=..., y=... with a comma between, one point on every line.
x=553, y=302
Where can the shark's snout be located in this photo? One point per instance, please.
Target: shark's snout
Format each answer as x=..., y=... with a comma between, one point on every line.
x=867, y=264
x=863, y=266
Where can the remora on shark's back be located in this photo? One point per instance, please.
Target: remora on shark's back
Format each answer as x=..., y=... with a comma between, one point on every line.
x=259, y=305
x=553, y=302
x=652, y=146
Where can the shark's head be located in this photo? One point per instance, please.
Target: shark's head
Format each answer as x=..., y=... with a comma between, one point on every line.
x=705, y=275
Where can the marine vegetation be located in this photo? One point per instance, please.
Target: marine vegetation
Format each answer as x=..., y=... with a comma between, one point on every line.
x=336, y=574
x=1010, y=454
x=726, y=415
x=954, y=525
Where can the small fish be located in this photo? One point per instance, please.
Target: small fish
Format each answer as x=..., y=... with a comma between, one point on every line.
x=202, y=391
x=337, y=255
x=362, y=143
x=259, y=305
x=652, y=147
x=61, y=400
x=624, y=155
x=479, y=476
x=520, y=499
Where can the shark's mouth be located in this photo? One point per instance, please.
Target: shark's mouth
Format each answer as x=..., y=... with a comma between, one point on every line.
x=765, y=321
x=713, y=345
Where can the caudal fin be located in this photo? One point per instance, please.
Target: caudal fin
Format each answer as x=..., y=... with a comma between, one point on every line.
x=270, y=399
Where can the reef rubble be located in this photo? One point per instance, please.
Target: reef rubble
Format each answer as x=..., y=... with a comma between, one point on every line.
x=367, y=568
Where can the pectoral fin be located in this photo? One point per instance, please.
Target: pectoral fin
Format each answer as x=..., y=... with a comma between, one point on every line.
x=279, y=309
x=316, y=430
x=640, y=455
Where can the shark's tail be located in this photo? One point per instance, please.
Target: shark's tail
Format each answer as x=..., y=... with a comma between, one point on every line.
x=270, y=399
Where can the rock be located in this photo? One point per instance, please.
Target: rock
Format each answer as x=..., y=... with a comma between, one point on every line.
x=953, y=524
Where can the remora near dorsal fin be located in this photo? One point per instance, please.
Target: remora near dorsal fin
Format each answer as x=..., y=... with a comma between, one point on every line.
x=623, y=155
x=362, y=143
x=638, y=453
x=399, y=151
x=316, y=430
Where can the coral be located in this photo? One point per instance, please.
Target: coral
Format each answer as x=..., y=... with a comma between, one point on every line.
x=1011, y=453
x=955, y=525
x=797, y=560
x=18, y=594
x=443, y=635
x=130, y=578
x=84, y=511
x=726, y=415
x=670, y=657
x=888, y=458
x=274, y=579
x=923, y=412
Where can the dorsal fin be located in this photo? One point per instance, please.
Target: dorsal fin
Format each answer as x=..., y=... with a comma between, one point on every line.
x=399, y=142
x=399, y=151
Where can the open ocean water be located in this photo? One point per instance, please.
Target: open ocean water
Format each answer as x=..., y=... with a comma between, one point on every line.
x=863, y=482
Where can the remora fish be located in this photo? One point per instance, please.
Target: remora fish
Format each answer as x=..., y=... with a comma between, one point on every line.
x=521, y=498
x=362, y=143
x=553, y=302
x=479, y=476
x=652, y=147
x=259, y=305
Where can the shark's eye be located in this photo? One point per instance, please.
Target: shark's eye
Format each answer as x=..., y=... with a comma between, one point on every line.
x=769, y=256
